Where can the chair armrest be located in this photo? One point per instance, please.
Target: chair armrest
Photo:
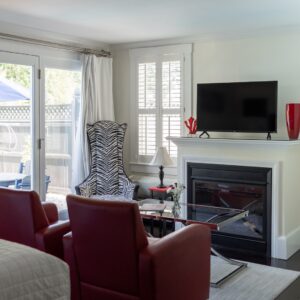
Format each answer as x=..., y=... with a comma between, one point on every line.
x=49, y=239
x=177, y=266
x=126, y=187
x=51, y=211
x=69, y=257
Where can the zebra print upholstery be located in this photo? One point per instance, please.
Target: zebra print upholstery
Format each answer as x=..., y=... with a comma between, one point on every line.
x=107, y=178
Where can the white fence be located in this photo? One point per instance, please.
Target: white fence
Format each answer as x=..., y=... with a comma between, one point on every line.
x=15, y=142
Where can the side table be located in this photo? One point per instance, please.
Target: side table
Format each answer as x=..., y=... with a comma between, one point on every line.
x=159, y=193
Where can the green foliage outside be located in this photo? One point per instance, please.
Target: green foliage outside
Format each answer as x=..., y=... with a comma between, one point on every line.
x=17, y=73
x=60, y=84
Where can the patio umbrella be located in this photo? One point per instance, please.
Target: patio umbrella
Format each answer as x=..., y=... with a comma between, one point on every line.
x=10, y=91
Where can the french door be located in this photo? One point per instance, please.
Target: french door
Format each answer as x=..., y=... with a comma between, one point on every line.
x=39, y=108
x=19, y=121
x=61, y=81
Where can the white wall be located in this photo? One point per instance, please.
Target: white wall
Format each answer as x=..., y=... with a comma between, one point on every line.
x=262, y=57
x=250, y=59
x=121, y=91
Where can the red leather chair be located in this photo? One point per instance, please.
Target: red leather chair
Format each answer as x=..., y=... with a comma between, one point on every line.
x=110, y=257
x=25, y=220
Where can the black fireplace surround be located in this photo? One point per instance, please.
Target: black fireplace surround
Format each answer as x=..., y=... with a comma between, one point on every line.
x=240, y=187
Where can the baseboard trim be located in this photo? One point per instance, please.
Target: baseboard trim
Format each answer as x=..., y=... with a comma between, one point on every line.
x=288, y=244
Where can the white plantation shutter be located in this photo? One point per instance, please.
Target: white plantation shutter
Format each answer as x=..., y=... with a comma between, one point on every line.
x=147, y=109
x=171, y=103
x=158, y=77
x=147, y=134
x=171, y=84
x=147, y=85
x=171, y=124
x=159, y=114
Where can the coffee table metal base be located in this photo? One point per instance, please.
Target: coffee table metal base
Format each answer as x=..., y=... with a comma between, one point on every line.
x=219, y=217
x=240, y=267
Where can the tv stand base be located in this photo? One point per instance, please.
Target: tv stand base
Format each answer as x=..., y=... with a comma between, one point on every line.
x=206, y=133
x=269, y=136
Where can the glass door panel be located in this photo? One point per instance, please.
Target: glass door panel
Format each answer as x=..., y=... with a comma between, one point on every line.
x=16, y=126
x=62, y=99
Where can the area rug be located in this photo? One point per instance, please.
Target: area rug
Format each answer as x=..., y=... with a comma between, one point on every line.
x=220, y=269
x=253, y=283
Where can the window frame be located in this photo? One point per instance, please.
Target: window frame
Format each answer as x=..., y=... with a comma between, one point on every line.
x=158, y=55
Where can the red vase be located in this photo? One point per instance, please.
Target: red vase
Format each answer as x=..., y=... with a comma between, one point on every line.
x=293, y=120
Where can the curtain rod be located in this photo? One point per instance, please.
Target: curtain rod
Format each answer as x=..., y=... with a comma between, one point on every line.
x=12, y=37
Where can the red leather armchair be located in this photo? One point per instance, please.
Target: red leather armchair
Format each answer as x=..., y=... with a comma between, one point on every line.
x=25, y=220
x=110, y=257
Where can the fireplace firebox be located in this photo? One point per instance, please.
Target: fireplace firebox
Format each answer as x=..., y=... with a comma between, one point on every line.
x=241, y=187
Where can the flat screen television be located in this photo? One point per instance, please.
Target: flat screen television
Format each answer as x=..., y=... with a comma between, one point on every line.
x=237, y=106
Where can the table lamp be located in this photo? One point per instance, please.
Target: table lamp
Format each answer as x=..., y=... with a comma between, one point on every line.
x=161, y=159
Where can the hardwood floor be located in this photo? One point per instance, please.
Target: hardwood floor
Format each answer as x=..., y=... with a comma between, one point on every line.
x=293, y=263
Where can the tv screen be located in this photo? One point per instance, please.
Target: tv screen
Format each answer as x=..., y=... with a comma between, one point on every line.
x=237, y=106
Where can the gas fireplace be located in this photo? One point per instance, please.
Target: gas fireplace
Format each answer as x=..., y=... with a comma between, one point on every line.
x=240, y=187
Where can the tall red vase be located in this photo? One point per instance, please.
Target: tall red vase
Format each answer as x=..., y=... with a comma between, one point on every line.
x=293, y=120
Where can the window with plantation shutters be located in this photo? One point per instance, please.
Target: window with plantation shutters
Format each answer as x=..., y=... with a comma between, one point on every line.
x=158, y=99
x=159, y=114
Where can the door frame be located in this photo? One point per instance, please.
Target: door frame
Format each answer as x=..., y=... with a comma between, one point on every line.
x=33, y=61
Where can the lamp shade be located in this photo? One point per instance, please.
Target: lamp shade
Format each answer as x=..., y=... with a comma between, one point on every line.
x=161, y=158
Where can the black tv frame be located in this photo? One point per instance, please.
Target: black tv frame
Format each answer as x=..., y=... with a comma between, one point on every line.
x=205, y=130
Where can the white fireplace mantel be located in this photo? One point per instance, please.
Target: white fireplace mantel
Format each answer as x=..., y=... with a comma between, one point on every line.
x=283, y=156
x=245, y=142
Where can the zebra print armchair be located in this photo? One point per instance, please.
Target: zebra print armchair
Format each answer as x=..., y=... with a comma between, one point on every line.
x=107, y=178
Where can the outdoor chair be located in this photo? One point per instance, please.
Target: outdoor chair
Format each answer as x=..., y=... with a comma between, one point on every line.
x=107, y=179
x=25, y=183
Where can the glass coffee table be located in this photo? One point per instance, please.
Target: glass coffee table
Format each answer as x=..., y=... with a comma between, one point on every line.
x=213, y=217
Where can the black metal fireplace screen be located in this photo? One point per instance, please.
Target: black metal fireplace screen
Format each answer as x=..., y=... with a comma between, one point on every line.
x=240, y=187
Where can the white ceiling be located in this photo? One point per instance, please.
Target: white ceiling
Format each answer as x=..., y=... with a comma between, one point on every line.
x=125, y=21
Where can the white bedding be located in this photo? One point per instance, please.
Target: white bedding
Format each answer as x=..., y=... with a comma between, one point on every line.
x=29, y=274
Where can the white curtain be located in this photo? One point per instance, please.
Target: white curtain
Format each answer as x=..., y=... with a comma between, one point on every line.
x=96, y=105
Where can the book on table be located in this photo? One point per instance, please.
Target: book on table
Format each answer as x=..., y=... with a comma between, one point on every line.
x=153, y=207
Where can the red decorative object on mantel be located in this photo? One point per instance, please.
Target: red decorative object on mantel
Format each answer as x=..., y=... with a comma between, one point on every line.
x=293, y=120
x=191, y=125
